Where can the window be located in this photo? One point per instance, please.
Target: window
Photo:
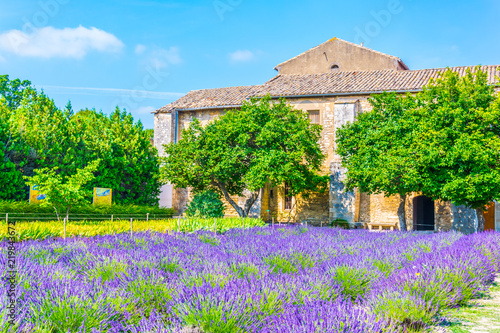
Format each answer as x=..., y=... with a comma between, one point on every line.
x=314, y=116
x=335, y=68
x=288, y=196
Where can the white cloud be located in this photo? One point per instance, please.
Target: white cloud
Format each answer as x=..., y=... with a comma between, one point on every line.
x=145, y=110
x=49, y=42
x=160, y=58
x=139, y=49
x=241, y=56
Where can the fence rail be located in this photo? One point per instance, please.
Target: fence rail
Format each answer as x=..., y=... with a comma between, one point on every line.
x=81, y=217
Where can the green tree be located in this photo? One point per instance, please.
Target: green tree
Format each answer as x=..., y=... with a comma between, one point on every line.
x=458, y=140
x=13, y=90
x=35, y=134
x=443, y=142
x=377, y=150
x=261, y=143
x=63, y=193
x=129, y=162
x=10, y=176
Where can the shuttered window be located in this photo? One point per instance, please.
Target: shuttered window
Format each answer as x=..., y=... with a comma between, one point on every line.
x=314, y=116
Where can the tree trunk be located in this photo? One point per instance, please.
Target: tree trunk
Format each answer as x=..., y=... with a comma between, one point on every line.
x=57, y=214
x=250, y=201
x=239, y=210
x=402, y=213
x=480, y=219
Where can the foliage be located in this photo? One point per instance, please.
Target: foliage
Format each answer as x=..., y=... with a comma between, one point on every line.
x=12, y=90
x=35, y=134
x=376, y=150
x=243, y=150
x=23, y=207
x=63, y=193
x=341, y=223
x=36, y=230
x=10, y=177
x=443, y=142
x=205, y=204
x=129, y=163
x=40, y=230
x=459, y=140
x=221, y=225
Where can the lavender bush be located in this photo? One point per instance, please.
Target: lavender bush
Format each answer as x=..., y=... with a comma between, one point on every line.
x=282, y=279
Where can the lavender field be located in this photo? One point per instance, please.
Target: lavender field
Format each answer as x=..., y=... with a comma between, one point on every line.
x=289, y=279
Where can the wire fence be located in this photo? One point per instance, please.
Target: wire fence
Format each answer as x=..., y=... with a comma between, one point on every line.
x=81, y=217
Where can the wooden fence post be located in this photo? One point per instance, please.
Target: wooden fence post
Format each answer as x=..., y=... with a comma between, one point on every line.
x=147, y=217
x=111, y=217
x=7, y=217
x=273, y=221
x=64, y=234
x=131, y=228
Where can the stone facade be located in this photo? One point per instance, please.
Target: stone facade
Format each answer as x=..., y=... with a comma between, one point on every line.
x=339, y=55
x=334, y=111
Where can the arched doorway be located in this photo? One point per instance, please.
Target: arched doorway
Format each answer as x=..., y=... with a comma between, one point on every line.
x=423, y=213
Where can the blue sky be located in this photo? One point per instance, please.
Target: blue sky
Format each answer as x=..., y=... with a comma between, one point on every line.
x=141, y=55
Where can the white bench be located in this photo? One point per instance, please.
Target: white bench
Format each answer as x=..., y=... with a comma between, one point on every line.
x=391, y=224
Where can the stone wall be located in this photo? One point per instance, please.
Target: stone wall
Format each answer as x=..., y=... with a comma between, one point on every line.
x=163, y=134
x=384, y=209
x=463, y=219
x=442, y=215
x=344, y=55
x=162, y=131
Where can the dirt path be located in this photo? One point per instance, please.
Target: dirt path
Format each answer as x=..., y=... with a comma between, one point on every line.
x=481, y=316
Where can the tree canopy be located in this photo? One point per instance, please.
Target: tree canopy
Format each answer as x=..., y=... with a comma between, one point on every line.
x=64, y=193
x=35, y=134
x=244, y=149
x=443, y=142
x=376, y=149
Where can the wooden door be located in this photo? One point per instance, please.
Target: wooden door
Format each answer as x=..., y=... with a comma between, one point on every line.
x=489, y=217
x=423, y=213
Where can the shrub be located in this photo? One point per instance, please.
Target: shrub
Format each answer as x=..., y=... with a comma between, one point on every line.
x=206, y=204
x=354, y=282
x=340, y=223
x=25, y=207
x=403, y=309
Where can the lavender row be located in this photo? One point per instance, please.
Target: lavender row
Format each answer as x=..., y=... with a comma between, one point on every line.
x=289, y=279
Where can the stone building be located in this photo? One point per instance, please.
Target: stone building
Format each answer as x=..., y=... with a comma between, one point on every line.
x=332, y=83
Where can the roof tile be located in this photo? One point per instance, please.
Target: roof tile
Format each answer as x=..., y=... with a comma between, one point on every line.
x=319, y=84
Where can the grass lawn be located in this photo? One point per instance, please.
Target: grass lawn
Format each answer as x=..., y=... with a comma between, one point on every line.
x=482, y=315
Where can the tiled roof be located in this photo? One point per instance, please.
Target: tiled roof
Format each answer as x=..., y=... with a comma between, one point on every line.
x=359, y=82
x=319, y=84
x=211, y=98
